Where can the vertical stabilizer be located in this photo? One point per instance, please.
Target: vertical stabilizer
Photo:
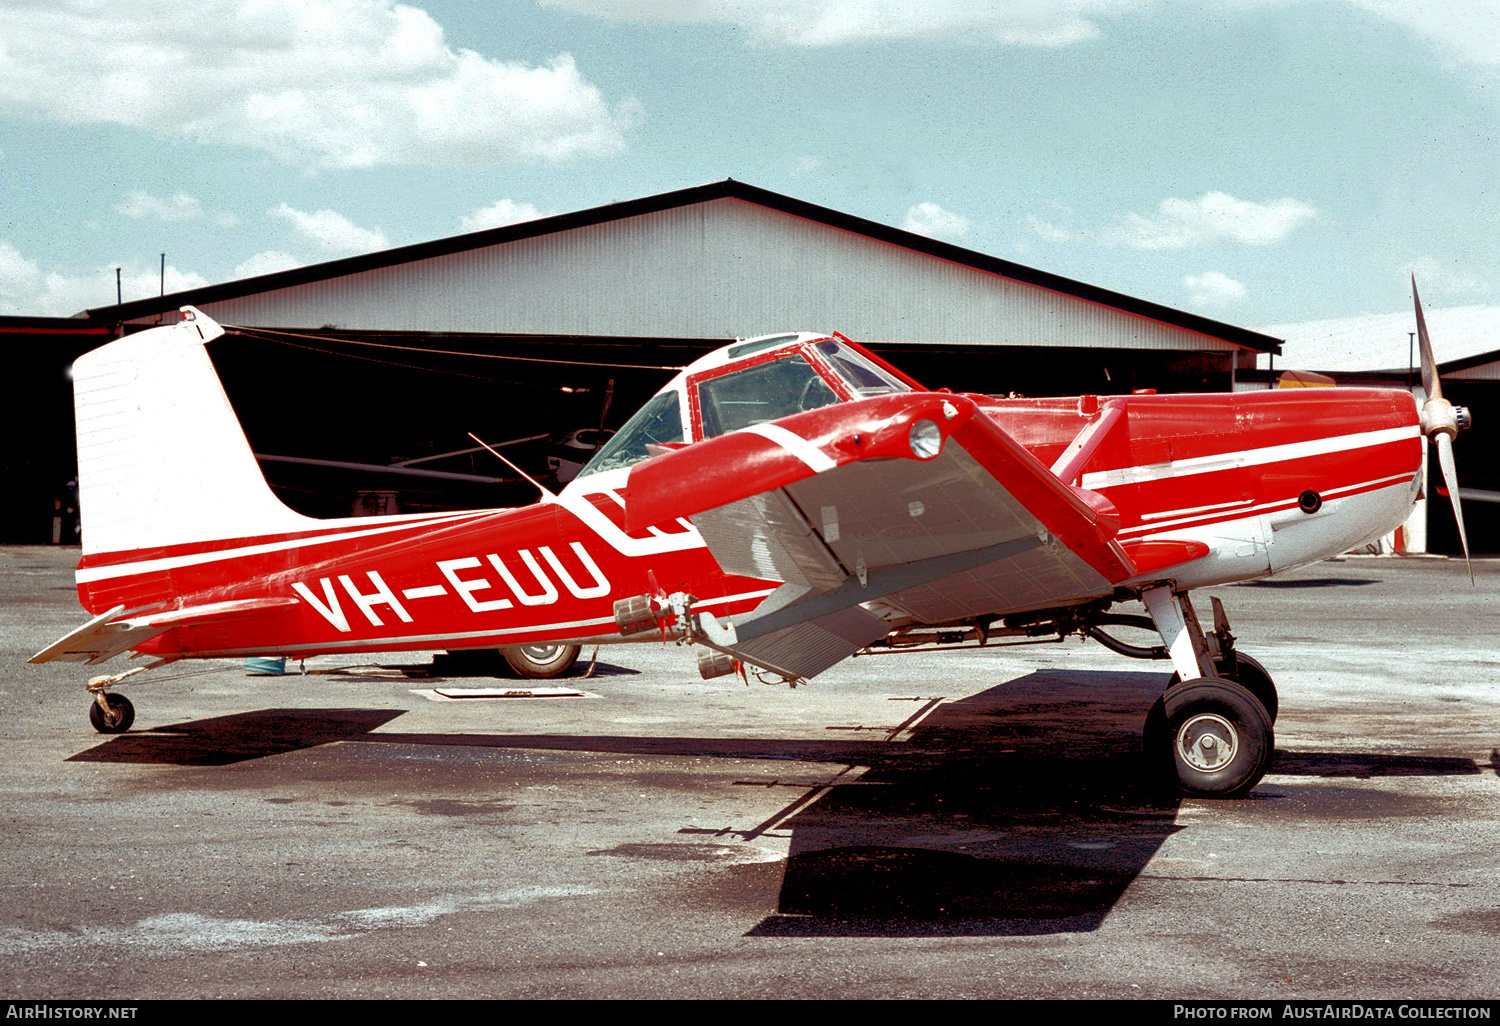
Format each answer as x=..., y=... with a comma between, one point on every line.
x=162, y=459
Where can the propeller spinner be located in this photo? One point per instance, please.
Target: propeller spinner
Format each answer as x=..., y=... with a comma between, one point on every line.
x=1441, y=422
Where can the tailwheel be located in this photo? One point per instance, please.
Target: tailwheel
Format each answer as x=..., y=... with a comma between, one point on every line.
x=111, y=713
x=1220, y=737
x=540, y=661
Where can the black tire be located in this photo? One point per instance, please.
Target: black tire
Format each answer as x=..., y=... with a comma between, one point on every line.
x=123, y=714
x=539, y=662
x=1252, y=676
x=1219, y=735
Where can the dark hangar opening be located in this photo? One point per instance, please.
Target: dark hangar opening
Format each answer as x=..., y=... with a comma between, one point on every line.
x=350, y=423
x=359, y=422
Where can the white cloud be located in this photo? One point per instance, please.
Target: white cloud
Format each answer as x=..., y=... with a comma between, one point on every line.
x=20, y=280
x=331, y=231
x=1186, y=224
x=1213, y=289
x=321, y=83
x=806, y=165
x=180, y=207
x=1448, y=280
x=501, y=212
x=1464, y=29
x=266, y=262
x=28, y=290
x=1048, y=23
x=1212, y=217
x=1051, y=232
x=933, y=221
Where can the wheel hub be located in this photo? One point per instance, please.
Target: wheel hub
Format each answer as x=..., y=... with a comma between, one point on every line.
x=1207, y=741
x=541, y=653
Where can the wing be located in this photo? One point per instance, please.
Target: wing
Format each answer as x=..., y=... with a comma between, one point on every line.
x=865, y=533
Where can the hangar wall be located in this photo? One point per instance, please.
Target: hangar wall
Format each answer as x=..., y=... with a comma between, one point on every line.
x=721, y=268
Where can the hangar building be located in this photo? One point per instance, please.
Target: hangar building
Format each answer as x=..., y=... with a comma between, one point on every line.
x=359, y=380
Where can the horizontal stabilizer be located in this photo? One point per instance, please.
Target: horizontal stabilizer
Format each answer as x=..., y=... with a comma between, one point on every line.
x=104, y=636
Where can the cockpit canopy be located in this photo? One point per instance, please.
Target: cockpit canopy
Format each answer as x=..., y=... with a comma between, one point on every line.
x=749, y=383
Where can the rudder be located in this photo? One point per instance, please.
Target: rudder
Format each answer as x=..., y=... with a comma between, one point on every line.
x=162, y=459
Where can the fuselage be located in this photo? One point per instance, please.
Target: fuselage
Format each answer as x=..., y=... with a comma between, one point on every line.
x=1260, y=482
x=1197, y=489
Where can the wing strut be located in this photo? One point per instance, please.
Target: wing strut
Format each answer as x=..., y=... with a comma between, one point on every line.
x=1069, y=466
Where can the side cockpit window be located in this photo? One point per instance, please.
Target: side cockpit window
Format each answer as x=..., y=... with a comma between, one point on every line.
x=863, y=376
x=659, y=422
x=757, y=394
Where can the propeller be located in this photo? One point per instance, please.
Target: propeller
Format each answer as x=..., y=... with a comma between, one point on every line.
x=1441, y=422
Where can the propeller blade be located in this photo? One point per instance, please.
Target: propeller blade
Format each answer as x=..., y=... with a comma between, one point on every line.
x=1450, y=478
x=1430, y=383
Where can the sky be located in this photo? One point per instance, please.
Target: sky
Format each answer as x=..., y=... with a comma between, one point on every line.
x=1261, y=162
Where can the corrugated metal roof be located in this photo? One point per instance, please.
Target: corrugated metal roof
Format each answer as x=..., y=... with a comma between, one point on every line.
x=719, y=260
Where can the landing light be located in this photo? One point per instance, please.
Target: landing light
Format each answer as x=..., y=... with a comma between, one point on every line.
x=925, y=439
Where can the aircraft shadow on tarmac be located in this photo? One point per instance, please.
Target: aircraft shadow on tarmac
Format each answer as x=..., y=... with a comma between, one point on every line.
x=1026, y=809
x=437, y=670
x=1310, y=582
x=1032, y=812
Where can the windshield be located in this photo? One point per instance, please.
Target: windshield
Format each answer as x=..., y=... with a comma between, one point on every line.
x=863, y=376
x=656, y=423
x=764, y=392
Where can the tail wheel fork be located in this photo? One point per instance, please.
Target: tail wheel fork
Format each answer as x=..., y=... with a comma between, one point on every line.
x=1218, y=733
x=109, y=712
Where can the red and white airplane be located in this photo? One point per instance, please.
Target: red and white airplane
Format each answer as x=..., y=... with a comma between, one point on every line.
x=783, y=503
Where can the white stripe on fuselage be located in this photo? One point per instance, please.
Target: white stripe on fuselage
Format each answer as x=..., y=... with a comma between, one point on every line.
x=105, y=573
x=1246, y=457
x=1202, y=518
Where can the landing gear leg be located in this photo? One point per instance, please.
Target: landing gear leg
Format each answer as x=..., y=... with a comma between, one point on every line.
x=1230, y=664
x=1218, y=733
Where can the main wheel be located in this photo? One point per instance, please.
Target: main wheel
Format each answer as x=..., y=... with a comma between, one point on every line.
x=540, y=661
x=1220, y=737
x=1251, y=676
x=121, y=714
